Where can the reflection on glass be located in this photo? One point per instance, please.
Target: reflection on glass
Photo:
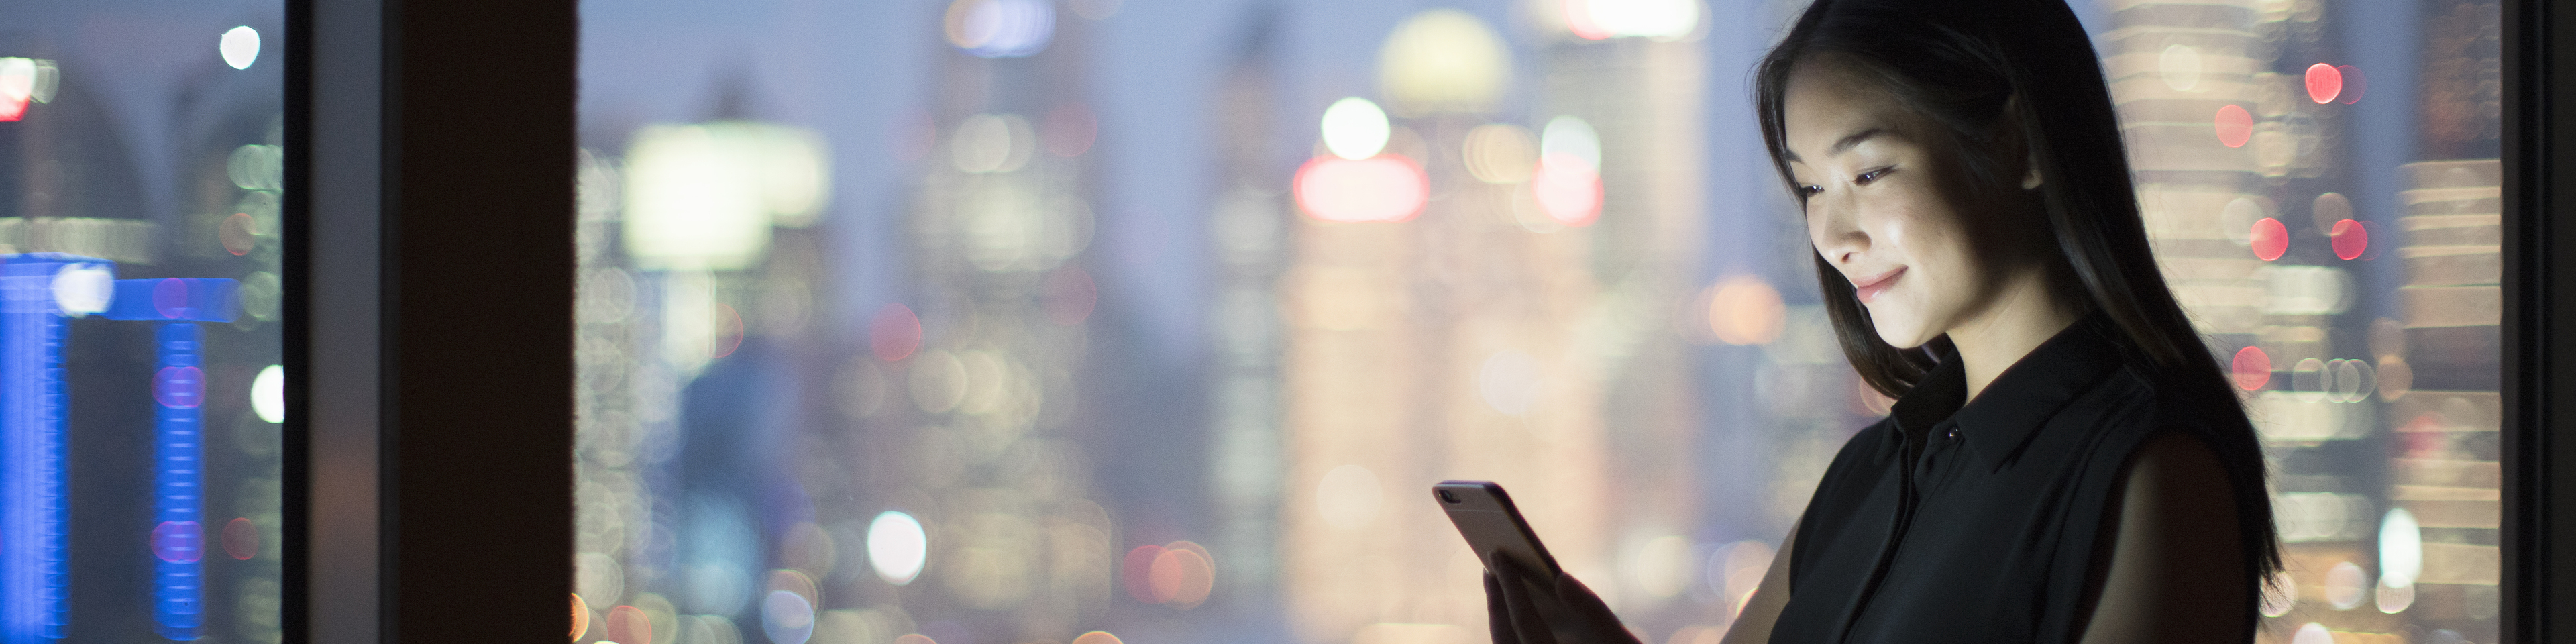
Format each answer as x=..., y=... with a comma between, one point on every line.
x=1018, y=321
x=140, y=390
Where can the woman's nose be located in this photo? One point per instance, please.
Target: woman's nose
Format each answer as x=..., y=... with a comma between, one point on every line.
x=1835, y=232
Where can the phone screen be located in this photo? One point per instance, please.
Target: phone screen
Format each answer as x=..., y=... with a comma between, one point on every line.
x=1492, y=526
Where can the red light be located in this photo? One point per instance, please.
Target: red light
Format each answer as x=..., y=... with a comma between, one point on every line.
x=2234, y=126
x=12, y=107
x=237, y=234
x=1138, y=572
x=629, y=624
x=1069, y=130
x=1578, y=19
x=241, y=540
x=2251, y=369
x=1568, y=189
x=2351, y=239
x=895, y=334
x=1386, y=187
x=2353, y=83
x=2270, y=239
x=2324, y=82
x=1070, y=296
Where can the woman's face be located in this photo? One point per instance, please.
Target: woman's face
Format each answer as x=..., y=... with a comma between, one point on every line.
x=1885, y=205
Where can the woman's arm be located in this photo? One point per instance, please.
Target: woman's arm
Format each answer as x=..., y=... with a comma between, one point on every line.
x=2177, y=566
x=1753, y=626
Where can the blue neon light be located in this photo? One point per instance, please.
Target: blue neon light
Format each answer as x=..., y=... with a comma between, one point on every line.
x=178, y=391
x=34, y=555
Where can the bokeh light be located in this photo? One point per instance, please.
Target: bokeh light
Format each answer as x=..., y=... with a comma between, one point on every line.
x=787, y=617
x=2354, y=83
x=2281, y=595
x=178, y=541
x=2345, y=585
x=2312, y=633
x=2350, y=238
x=2179, y=66
x=239, y=47
x=238, y=233
x=1500, y=153
x=580, y=616
x=1000, y=28
x=897, y=547
x=2251, y=368
x=1567, y=189
x=2235, y=126
x=729, y=330
x=1659, y=19
x=268, y=394
x=1443, y=60
x=629, y=624
x=1136, y=573
x=84, y=289
x=1743, y=310
x=2270, y=239
x=987, y=143
x=241, y=539
x=17, y=87
x=895, y=333
x=2401, y=549
x=1355, y=128
x=1385, y=188
x=1570, y=135
x=2324, y=83
x=1661, y=566
x=1182, y=575
x=1096, y=637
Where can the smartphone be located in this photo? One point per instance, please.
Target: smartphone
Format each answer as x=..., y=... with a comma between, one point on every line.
x=1493, y=527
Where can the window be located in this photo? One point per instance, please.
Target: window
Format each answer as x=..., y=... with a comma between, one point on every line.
x=1019, y=320
x=140, y=436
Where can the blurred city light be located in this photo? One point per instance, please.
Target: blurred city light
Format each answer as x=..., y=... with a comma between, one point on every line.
x=240, y=47
x=1662, y=19
x=1355, y=128
x=1500, y=153
x=707, y=196
x=897, y=547
x=1383, y=188
x=268, y=394
x=1000, y=28
x=1443, y=60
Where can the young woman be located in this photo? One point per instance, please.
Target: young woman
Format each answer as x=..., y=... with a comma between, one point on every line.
x=2065, y=461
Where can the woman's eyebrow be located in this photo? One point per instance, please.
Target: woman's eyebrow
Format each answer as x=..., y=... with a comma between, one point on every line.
x=1846, y=143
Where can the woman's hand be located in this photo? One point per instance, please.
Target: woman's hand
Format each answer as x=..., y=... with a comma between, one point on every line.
x=1530, y=607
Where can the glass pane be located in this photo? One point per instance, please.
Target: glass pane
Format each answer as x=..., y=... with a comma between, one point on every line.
x=2323, y=185
x=140, y=159
x=1017, y=321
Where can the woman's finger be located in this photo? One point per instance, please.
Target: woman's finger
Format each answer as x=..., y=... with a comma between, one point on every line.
x=1498, y=613
x=1518, y=594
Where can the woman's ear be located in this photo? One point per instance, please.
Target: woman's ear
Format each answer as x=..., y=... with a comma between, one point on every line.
x=2016, y=145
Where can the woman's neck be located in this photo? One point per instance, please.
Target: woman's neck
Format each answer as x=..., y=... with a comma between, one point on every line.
x=2026, y=313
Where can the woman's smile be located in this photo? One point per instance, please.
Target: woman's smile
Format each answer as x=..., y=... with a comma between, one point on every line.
x=1868, y=288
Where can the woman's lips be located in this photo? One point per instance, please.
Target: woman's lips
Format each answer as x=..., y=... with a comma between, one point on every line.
x=1868, y=289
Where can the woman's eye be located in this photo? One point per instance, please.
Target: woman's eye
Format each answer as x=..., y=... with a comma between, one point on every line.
x=1809, y=191
x=1872, y=175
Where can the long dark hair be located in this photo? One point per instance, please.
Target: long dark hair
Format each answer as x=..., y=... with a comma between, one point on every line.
x=1984, y=69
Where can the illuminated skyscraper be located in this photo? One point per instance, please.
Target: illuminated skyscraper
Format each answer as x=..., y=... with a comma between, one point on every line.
x=2266, y=180
x=1506, y=322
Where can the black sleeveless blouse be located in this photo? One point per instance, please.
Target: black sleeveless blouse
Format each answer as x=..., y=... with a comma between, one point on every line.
x=1990, y=534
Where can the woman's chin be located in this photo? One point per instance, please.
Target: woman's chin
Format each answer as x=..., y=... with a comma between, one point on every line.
x=1903, y=335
